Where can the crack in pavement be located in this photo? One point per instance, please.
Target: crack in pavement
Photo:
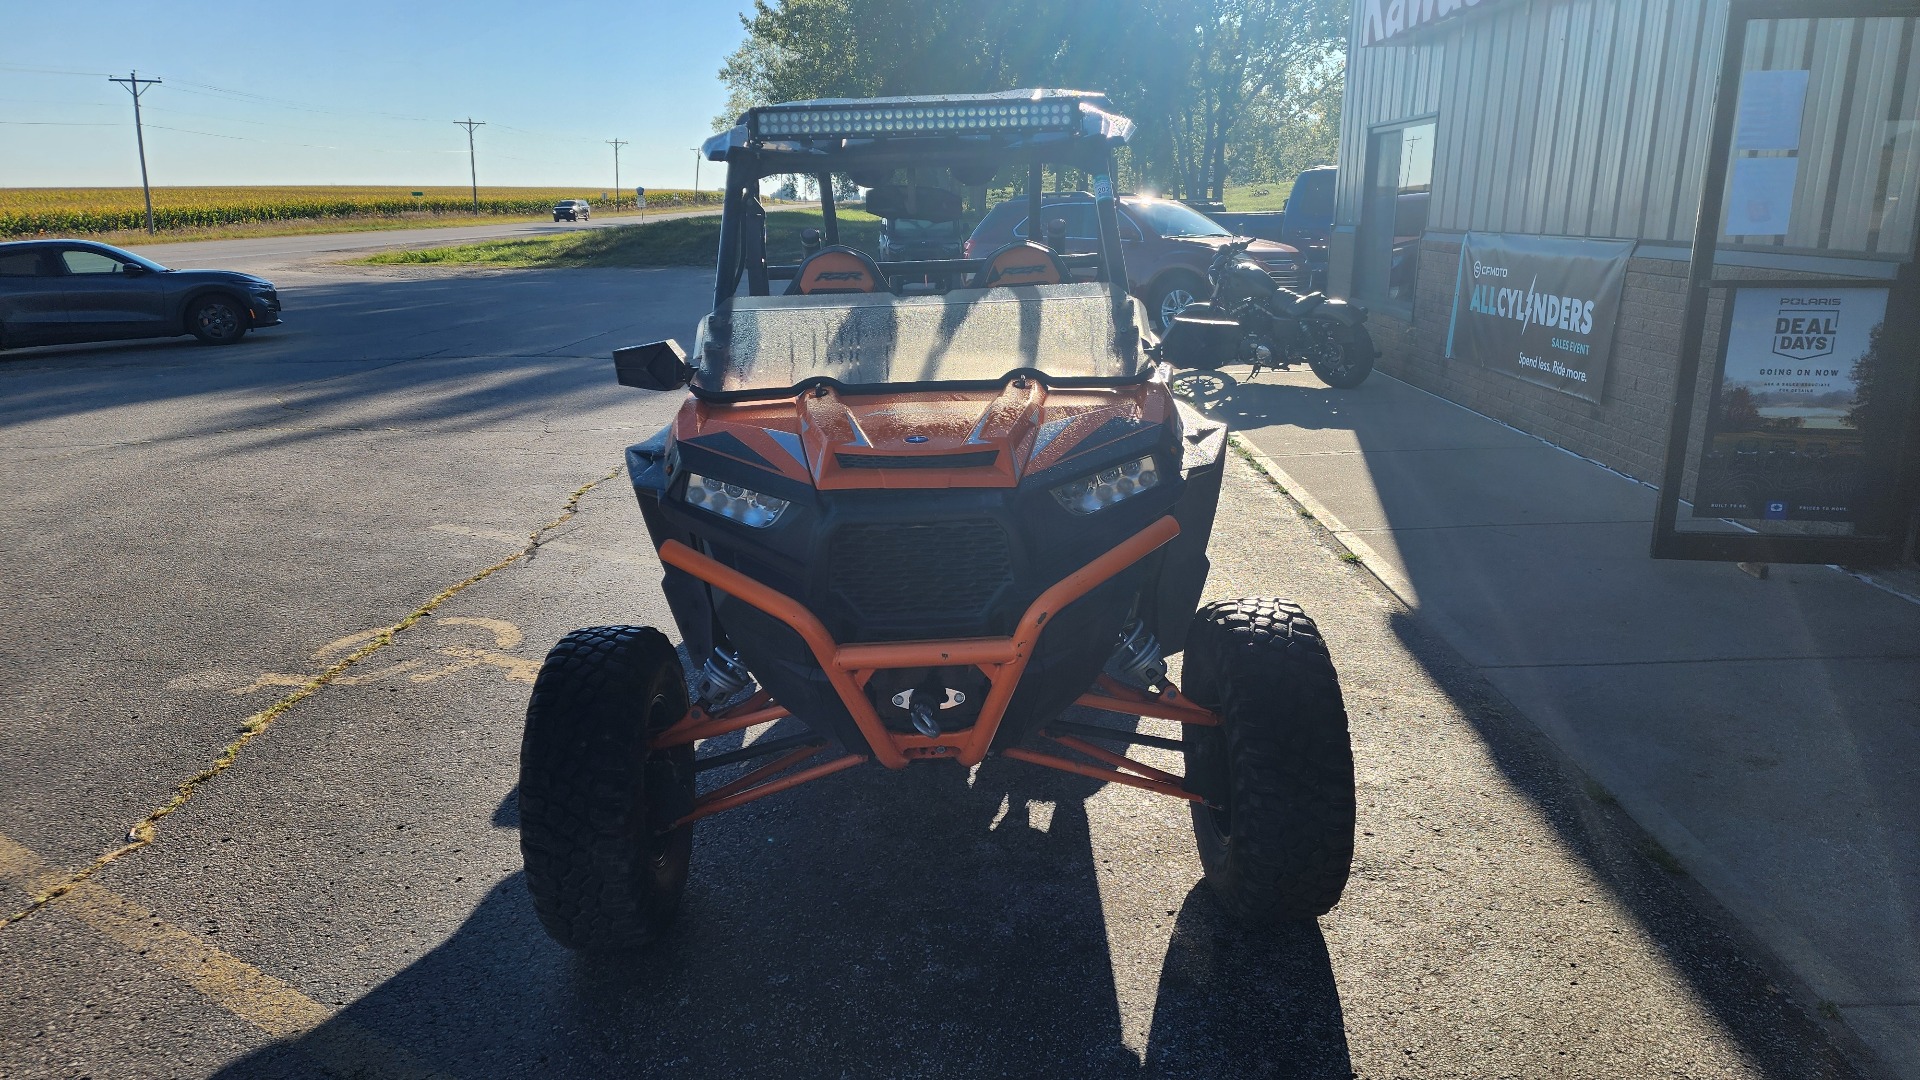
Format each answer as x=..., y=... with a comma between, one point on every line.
x=145, y=830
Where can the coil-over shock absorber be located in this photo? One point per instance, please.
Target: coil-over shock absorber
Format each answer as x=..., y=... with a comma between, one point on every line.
x=722, y=679
x=1138, y=661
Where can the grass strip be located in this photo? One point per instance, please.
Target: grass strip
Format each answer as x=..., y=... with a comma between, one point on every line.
x=690, y=241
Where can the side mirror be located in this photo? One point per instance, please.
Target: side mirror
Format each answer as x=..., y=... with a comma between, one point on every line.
x=810, y=240
x=132, y=269
x=659, y=365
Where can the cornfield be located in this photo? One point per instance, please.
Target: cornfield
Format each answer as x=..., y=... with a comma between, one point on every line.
x=26, y=212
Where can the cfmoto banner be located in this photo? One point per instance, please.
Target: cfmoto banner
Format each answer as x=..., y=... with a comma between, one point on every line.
x=1539, y=308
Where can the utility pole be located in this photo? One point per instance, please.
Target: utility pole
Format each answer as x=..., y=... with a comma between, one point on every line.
x=696, y=176
x=135, y=86
x=473, y=171
x=616, y=144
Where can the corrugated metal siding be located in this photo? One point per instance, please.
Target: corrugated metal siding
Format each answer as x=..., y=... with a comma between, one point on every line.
x=1383, y=85
x=1590, y=118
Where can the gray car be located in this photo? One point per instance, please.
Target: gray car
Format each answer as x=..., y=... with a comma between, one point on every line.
x=55, y=292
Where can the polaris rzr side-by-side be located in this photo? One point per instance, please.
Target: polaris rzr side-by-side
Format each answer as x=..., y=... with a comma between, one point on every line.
x=917, y=524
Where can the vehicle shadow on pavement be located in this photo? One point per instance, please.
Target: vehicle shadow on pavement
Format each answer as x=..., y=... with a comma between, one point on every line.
x=1695, y=936
x=874, y=924
x=360, y=350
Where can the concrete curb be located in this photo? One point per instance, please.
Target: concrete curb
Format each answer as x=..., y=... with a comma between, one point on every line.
x=1379, y=567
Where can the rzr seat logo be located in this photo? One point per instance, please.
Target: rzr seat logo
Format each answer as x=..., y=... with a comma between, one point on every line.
x=841, y=275
x=1023, y=271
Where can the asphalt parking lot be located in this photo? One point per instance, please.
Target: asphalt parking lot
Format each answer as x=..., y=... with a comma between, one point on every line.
x=194, y=534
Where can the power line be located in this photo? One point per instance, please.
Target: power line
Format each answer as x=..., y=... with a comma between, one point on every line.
x=54, y=71
x=473, y=170
x=136, y=86
x=289, y=103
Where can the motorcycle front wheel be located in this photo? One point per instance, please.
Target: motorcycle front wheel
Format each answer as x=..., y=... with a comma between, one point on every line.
x=1342, y=356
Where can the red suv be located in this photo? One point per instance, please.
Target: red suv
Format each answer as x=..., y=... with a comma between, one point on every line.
x=1168, y=245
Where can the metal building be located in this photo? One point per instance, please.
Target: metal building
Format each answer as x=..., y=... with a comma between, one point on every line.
x=1527, y=127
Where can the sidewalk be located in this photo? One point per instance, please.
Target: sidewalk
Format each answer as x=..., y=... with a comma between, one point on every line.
x=1766, y=733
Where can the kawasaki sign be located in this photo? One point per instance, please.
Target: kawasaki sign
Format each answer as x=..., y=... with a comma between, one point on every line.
x=1541, y=308
x=1392, y=22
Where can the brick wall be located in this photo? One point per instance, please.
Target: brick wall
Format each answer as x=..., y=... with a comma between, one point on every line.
x=1627, y=430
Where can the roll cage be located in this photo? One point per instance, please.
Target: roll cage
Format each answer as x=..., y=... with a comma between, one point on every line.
x=972, y=135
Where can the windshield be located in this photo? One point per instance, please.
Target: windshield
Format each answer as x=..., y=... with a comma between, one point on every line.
x=1173, y=219
x=913, y=229
x=1312, y=194
x=967, y=335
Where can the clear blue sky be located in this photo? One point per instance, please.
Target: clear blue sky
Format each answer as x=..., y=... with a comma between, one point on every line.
x=361, y=93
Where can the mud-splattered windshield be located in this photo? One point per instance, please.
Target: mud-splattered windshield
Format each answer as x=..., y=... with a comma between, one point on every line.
x=968, y=335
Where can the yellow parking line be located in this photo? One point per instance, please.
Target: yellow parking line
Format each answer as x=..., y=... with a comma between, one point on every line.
x=143, y=831
x=270, y=1004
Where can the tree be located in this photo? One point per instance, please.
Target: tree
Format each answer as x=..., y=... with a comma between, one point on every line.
x=1248, y=88
x=1737, y=410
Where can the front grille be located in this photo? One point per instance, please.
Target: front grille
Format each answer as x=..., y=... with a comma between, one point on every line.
x=973, y=459
x=923, y=574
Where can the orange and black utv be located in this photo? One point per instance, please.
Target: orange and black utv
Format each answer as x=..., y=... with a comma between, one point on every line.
x=920, y=511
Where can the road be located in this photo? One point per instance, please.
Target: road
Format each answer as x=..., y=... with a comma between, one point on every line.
x=195, y=534
x=268, y=252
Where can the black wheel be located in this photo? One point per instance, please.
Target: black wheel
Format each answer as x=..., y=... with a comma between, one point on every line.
x=1343, y=357
x=594, y=799
x=1277, y=840
x=217, y=320
x=1172, y=295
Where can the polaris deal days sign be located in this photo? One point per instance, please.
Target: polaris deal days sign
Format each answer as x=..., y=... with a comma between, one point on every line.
x=1539, y=308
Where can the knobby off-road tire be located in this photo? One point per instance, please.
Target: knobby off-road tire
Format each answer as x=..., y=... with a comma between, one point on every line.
x=1280, y=843
x=593, y=796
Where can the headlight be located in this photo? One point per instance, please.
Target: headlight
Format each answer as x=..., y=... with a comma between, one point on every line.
x=733, y=502
x=1103, y=489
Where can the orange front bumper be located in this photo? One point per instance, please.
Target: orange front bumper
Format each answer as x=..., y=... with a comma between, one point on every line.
x=849, y=667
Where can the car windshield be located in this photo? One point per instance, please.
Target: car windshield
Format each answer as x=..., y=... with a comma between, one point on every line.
x=1313, y=193
x=1173, y=219
x=909, y=230
x=967, y=335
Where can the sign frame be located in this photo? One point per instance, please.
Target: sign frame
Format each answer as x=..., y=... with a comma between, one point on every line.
x=1902, y=318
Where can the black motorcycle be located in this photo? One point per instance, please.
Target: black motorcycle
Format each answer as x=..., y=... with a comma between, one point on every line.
x=1250, y=320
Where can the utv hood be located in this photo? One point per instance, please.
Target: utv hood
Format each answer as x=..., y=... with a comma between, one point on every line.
x=831, y=440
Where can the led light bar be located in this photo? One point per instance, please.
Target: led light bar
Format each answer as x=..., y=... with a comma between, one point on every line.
x=960, y=118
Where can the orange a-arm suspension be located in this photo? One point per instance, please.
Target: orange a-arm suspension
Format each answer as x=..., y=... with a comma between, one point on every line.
x=849, y=667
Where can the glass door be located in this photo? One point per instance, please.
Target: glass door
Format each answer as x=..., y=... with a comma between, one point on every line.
x=1393, y=215
x=1793, y=434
